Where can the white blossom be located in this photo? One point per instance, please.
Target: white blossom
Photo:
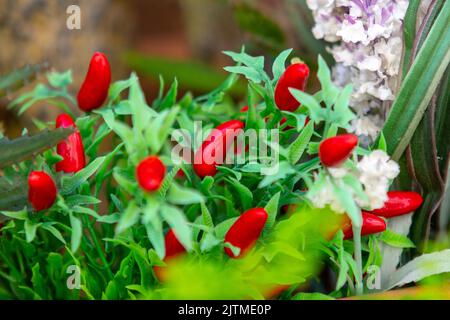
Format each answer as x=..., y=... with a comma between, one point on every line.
x=369, y=53
x=376, y=171
x=367, y=126
x=323, y=194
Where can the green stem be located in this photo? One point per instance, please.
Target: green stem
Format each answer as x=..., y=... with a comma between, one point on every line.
x=98, y=246
x=358, y=258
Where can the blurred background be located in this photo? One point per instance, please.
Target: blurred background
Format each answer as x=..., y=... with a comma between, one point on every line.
x=171, y=38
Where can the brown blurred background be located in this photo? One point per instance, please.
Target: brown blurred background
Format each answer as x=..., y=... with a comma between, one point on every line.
x=141, y=35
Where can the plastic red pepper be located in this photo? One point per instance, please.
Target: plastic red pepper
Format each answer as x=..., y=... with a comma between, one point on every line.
x=180, y=174
x=150, y=173
x=399, y=203
x=214, y=149
x=295, y=76
x=371, y=224
x=246, y=230
x=94, y=89
x=173, y=249
x=333, y=151
x=172, y=245
x=41, y=190
x=71, y=149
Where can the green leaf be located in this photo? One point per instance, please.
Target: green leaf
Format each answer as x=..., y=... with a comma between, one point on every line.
x=222, y=228
x=160, y=128
x=60, y=80
x=39, y=283
x=70, y=184
x=129, y=218
x=346, y=200
x=354, y=183
x=77, y=233
x=156, y=236
x=279, y=65
x=442, y=124
x=250, y=73
x=171, y=98
x=272, y=210
x=316, y=112
x=409, y=33
x=84, y=210
x=30, y=230
x=43, y=93
x=330, y=91
x=155, y=260
x=421, y=267
x=426, y=173
x=124, y=181
x=414, y=97
x=116, y=88
x=382, y=143
x=298, y=147
x=19, y=215
x=252, y=69
x=183, y=196
x=109, y=219
x=55, y=232
x=141, y=112
x=244, y=193
x=19, y=78
x=284, y=170
x=342, y=113
x=343, y=266
x=444, y=214
x=206, y=216
x=23, y=148
x=208, y=242
x=396, y=240
x=79, y=200
x=178, y=222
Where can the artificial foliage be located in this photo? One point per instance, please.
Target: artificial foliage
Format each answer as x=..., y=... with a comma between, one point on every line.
x=110, y=230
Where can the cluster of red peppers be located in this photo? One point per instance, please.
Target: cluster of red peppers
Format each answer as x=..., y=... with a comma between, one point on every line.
x=42, y=189
x=246, y=230
x=333, y=152
x=215, y=147
x=150, y=172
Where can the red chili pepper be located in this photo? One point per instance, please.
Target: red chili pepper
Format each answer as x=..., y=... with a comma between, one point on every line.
x=150, y=173
x=333, y=151
x=295, y=76
x=246, y=230
x=244, y=109
x=41, y=190
x=214, y=149
x=173, y=249
x=71, y=149
x=94, y=89
x=371, y=224
x=399, y=203
x=173, y=246
x=181, y=174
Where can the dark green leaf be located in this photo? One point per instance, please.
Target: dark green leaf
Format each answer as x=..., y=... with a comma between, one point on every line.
x=23, y=148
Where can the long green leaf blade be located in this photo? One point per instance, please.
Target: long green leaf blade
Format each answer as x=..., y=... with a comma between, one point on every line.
x=414, y=97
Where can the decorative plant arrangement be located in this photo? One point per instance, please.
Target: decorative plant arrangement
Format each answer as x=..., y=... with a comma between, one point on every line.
x=276, y=197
